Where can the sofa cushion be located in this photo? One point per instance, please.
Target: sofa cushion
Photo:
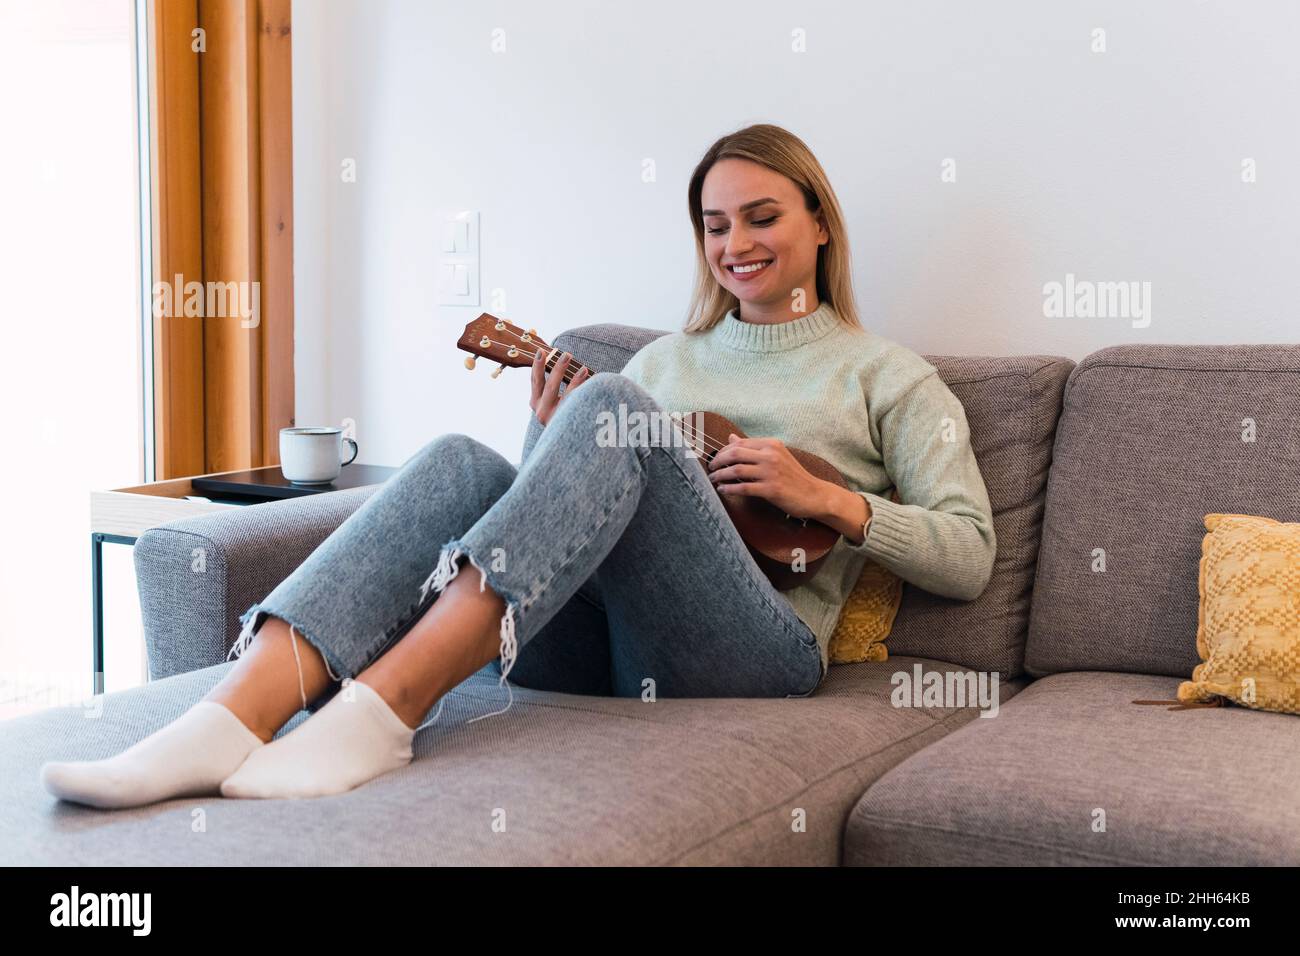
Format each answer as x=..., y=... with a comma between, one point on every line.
x=1012, y=404
x=1199, y=787
x=1149, y=443
x=576, y=779
x=1249, y=633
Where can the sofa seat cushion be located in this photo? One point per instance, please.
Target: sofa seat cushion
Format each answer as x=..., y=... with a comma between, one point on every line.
x=575, y=779
x=1199, y=787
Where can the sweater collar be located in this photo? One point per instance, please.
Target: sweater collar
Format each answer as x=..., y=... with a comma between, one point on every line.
x=776, y=336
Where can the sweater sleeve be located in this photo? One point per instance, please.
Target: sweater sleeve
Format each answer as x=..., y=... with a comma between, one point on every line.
x=939, y=536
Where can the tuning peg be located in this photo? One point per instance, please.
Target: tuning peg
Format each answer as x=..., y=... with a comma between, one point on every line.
x=469, y=363
x=498, y=370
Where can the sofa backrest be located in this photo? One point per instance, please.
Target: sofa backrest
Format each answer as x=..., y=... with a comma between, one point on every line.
x=1012, y=404
x=1153, y=438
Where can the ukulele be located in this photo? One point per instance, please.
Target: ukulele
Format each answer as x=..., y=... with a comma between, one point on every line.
x=773, y=538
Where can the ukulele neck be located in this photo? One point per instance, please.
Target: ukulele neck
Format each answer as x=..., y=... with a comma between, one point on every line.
x=552, y=358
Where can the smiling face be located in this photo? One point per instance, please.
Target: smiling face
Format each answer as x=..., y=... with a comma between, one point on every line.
x=760, y=240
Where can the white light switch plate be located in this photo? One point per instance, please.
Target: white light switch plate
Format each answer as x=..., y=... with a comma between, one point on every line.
x=458, y=260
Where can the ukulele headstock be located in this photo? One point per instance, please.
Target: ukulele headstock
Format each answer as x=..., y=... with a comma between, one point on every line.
x=500, y=341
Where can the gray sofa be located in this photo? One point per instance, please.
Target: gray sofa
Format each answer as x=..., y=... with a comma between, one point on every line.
x=1126, y=452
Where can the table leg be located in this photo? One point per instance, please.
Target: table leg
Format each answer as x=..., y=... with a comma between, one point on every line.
x=97, y=611
x=97, y=539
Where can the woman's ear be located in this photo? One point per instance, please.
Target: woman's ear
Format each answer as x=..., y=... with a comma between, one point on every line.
x=823, y=234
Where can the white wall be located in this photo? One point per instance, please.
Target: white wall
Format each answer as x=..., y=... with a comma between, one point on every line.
x=1115, y=166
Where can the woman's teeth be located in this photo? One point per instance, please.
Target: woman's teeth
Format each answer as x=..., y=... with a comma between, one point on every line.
x=743, y=270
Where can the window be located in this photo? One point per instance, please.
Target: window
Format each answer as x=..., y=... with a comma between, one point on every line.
x=72, y=384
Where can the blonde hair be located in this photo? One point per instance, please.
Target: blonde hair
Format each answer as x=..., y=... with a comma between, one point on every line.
x=779, y=150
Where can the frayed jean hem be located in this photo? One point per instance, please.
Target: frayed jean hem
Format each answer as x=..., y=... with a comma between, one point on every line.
x=252, y=621
x=447, y=568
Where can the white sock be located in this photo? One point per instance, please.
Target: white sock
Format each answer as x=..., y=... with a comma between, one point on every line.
x=188, y=757
x=353, y=738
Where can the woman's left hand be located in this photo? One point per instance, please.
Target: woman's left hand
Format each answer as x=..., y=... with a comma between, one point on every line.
x=765, y=467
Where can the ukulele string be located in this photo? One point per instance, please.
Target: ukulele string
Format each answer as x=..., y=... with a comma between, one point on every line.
x=710, y=445
x=691, y=431
x=567, y=375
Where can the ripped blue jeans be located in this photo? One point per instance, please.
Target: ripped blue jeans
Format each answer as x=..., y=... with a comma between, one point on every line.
x=621, y=573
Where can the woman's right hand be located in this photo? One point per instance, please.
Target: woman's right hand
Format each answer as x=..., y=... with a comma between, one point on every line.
x=546, y=387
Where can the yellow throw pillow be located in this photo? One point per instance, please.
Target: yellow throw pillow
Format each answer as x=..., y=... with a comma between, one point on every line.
x=868, y=614
x=1248, y=628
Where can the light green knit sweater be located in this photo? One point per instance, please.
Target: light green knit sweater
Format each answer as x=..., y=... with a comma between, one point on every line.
x=875, y=410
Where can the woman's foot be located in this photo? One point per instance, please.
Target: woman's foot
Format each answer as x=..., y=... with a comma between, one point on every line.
x=188, y=757
x=355, y=737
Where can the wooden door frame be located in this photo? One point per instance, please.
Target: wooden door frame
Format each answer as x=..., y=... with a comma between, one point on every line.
x=221, y=138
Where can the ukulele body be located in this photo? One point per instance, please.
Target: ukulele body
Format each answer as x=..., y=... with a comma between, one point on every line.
x=772, y=537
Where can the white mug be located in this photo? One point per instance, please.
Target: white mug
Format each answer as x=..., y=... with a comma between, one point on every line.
x=313, y=455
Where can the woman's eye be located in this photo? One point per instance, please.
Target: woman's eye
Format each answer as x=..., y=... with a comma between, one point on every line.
x=757, y=222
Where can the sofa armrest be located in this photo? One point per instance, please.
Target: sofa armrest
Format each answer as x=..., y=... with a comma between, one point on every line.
x=197, y=575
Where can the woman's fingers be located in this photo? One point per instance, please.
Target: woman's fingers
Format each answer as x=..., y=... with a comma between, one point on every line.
x=734, y=452
x=539, y=378
x=552, y=390
x=583, y=374
x=546, y=386
x=738, y=472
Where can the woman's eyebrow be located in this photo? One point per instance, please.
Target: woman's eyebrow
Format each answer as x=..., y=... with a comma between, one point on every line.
x=748, y=205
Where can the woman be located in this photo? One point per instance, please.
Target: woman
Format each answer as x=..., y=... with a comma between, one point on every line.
x=606, y=569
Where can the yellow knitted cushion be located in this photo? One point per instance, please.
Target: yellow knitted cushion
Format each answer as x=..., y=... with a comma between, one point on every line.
x=868, y=614
x=1248, y=629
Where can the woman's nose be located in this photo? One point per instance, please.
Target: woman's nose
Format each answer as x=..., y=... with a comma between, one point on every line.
x=737, y=241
